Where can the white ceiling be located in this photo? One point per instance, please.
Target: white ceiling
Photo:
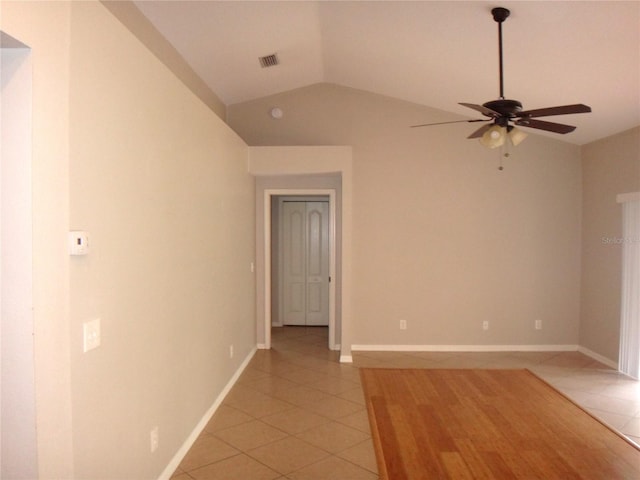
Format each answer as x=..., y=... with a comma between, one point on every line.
x=428, y=52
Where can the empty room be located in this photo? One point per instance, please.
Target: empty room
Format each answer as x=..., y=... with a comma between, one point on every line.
x=320, y=239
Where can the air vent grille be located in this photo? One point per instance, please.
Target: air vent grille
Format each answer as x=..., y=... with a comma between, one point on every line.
x=269, y=61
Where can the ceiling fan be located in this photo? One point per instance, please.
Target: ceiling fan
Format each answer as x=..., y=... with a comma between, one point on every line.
x=502, y=113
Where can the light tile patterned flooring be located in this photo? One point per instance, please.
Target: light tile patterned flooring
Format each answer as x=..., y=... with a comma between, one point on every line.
x=297, y=413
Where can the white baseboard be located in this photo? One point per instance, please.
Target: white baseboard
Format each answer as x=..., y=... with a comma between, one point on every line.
x=480, y=348
x=188, y=443
x=600, y=358
x=262, y=346
x=464, y=348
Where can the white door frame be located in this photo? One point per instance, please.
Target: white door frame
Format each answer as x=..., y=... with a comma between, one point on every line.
x=268, y=194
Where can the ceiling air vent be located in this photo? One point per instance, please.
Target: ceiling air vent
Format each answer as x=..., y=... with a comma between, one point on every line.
x=269, y=61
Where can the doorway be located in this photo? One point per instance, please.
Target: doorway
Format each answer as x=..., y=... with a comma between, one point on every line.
x=274, y=283
x=18, y=438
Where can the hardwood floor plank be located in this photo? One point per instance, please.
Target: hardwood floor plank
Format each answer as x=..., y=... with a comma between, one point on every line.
x=455, y=466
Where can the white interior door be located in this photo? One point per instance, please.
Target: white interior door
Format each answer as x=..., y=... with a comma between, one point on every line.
x=305, y=262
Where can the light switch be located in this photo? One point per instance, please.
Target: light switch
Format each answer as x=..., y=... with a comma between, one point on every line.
x=90, y=335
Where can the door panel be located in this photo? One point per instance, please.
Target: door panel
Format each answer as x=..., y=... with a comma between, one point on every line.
x=296, y=298
x=314, y=227
x=314, y=298
x=296, y=242
x=317, y=263
x=294, y=262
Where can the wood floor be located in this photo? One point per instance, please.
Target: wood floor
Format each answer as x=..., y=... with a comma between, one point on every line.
x=487, y=424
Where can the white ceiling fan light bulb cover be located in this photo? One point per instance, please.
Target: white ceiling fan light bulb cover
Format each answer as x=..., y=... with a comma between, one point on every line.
x=494, y=137
x=517, y=136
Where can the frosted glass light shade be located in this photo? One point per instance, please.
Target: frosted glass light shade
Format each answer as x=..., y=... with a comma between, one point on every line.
x=494, y=137
x=516, y=136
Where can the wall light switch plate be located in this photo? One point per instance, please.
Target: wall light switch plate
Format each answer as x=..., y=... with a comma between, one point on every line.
x=90, y=335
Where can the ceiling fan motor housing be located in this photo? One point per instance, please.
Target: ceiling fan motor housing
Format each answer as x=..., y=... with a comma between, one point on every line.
x=505, y=108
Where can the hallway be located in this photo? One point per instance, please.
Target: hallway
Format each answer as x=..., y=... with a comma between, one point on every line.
x=297, y=413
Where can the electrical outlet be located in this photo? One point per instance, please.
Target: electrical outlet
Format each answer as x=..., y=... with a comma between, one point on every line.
x=403, y=324
x=230, y=351
x=90, y=335
x=538, y=324
x=154, y=439
x=485, y=325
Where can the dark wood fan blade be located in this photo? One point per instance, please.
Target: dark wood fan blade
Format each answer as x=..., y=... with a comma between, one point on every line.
x=482, y=109
x=454, y=121
x=478, y=133
x=563, y=110
x=548, y=126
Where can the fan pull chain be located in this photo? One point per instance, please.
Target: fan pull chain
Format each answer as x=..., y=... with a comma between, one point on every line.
x=504, y=154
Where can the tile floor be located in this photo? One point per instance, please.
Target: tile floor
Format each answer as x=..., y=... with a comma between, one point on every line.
x=297, y=413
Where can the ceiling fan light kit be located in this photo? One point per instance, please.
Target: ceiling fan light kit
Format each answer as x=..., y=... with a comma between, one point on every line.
x=496, y=136
x=502, y=113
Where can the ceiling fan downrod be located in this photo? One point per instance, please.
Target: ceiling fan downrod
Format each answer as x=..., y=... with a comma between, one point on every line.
x=500, y=15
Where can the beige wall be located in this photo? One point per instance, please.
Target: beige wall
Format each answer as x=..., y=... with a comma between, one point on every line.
x=123, y=150
x=441, y=238
x=610, y=166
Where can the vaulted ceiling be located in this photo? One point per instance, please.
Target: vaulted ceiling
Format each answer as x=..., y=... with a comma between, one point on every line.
x=434, y=53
